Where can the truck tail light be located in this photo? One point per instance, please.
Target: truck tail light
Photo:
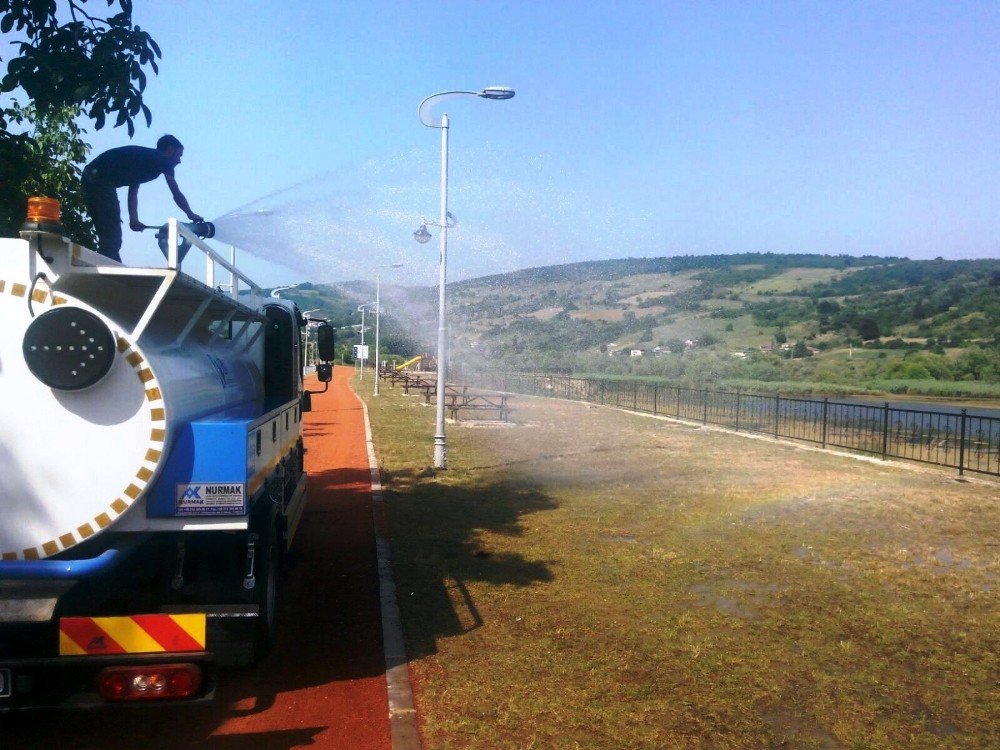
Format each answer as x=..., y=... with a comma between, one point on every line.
x=152, y=682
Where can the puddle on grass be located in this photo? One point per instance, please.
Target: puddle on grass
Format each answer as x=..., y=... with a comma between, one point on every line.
x=748, y=608
x=793, y=728
x=945, y=558
x=944, y=729
x=941, y=560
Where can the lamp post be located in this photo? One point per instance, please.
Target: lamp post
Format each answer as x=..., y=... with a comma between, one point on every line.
x=422, y=236
x=378, y=318
x=362, y=309
x=305, y=314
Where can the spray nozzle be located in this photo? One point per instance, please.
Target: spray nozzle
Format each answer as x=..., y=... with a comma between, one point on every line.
x=203, y=229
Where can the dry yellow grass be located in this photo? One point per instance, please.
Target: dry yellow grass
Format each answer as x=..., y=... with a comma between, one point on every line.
x=595, y=579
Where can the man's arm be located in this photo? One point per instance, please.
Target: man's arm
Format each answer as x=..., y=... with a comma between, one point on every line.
x=133, y=209
x=180, y=200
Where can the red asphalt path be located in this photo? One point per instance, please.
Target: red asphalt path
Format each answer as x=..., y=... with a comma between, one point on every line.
x=328, y=658
x=324, y=684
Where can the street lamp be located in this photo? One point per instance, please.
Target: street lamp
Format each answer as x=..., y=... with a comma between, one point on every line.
x=422, y=236
x=362, y=309
x=311, y=325
x=378, y=317
x=276, y=292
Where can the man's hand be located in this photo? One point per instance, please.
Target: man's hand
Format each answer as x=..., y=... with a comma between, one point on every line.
x=136, y=226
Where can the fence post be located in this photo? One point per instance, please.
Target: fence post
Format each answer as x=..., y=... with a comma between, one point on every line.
x=737, y=410
x=635, y=396
x=704, y=406
x=826, y=407
x=678, y=402
x=885, y=431
x=777, y=413
x=961, y=446
x=656, y=396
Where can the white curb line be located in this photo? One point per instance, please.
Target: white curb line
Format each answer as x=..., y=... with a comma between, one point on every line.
x=402, y=712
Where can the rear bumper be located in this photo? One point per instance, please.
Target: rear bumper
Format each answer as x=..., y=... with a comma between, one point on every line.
x=69, y=682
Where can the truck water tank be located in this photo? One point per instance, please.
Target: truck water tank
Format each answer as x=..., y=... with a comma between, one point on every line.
x=87, y=409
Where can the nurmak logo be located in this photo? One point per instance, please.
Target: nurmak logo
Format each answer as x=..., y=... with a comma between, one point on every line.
x=193, y=493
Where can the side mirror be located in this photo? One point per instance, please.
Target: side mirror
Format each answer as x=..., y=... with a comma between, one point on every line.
x=325, y=344
x=324, y=367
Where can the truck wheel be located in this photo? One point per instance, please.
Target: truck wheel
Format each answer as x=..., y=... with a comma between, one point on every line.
x=266, y=591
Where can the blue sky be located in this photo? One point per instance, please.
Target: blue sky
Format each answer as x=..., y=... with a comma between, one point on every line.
x=648, y=128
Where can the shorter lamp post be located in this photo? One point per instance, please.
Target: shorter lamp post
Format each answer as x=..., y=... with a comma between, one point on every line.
x=378, y=317
x=362, y=309
x=305, y=314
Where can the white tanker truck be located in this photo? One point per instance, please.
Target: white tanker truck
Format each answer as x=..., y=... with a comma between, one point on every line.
x=151, y=469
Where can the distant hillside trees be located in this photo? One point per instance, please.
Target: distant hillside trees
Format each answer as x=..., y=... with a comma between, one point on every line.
x=867, y=329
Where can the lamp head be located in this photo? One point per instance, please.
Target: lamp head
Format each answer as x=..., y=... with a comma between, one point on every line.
x=422, y=235
x=497, y=92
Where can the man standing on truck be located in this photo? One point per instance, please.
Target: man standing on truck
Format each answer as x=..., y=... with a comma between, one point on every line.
x=131, y=166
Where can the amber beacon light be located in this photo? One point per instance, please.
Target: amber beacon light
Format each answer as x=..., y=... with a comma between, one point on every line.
x=44, y=214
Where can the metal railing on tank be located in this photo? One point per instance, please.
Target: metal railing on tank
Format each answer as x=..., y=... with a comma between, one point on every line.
x=953, y=438
x=180, y=239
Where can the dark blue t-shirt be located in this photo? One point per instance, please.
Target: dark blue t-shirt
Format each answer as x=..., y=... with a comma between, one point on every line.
x=130, y=165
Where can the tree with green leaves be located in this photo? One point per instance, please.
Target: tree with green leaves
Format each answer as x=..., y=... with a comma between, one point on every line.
x=64, y=67
x=51, y=165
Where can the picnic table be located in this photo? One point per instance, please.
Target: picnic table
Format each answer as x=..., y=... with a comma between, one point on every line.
x=479, y=402
x=457, y=398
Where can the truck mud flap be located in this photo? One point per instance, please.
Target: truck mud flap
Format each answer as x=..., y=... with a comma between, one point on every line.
x=230, y=632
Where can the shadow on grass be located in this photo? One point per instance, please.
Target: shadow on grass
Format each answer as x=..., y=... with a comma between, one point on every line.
x=438, y=549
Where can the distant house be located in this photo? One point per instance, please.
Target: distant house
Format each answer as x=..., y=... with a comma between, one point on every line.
x=767, y=347
x=740, y=355
x=636, y=352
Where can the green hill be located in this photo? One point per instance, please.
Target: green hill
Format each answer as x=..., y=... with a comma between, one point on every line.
x=747, y=317
x=810, y=321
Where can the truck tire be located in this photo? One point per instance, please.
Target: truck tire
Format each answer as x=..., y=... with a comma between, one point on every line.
x=266, y=591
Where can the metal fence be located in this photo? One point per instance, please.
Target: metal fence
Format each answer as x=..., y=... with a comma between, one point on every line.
x=967, y=442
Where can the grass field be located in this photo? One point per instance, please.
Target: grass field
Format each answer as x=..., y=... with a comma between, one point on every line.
x=595, y=579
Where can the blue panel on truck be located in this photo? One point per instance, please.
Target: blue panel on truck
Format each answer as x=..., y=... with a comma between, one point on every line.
x=205, y=473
